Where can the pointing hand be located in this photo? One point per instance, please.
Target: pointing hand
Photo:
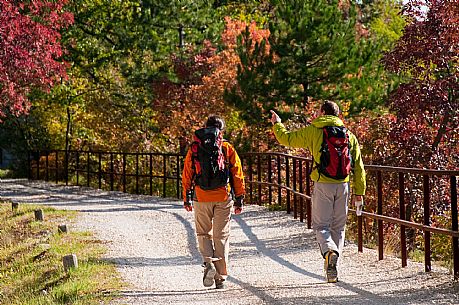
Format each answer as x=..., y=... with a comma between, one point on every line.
x=275, y=118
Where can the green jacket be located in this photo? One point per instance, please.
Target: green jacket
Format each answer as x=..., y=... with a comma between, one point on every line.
x=311, y=137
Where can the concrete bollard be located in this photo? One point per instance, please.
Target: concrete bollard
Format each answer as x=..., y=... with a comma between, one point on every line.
x=39, y=215
x=62, y=229
x=70, y=261
x=14, y=206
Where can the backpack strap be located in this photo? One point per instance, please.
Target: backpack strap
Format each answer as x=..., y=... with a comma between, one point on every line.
x=317, y=164
x=225, y=154
x=195, y=166
x=229, y=166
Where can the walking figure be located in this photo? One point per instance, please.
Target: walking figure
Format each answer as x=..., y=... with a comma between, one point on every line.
x=336, y=157
x=212, y=176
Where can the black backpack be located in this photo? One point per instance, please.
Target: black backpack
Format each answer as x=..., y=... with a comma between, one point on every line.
x=210, y=166
x=335, y=158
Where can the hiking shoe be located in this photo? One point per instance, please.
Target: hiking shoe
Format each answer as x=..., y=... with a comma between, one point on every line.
x=209, y=273
x=331, y=259
x=220, y=284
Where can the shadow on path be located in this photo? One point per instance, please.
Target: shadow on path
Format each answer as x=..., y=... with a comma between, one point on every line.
x=260, y=245
x=390, y=290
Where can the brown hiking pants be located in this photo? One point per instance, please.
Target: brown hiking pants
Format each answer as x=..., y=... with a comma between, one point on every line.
x=212, y=221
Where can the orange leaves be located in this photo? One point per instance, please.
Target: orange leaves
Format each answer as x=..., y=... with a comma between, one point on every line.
x=235, y=28
x=203, y=78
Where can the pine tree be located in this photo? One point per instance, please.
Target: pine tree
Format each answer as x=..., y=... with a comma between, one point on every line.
x=317, y=50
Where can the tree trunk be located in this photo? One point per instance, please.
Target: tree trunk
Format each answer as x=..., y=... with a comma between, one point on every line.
x=441, y=131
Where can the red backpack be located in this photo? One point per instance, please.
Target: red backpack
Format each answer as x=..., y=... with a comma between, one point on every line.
x=335, y=158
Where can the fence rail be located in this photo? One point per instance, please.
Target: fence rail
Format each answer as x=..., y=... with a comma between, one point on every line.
x=277, y=179
x=288, y=176
x=139, y=173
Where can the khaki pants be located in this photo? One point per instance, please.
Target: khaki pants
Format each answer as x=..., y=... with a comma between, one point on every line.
x=329, y=215
x=213, y=229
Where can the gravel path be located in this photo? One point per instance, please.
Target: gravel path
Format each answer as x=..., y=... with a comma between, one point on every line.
x=273, y=259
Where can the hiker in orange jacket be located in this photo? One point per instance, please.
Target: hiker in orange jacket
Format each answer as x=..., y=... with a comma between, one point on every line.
x=212, y=195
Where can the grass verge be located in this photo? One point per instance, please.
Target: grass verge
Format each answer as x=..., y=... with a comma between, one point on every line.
x=31, y=269
x=6, y=173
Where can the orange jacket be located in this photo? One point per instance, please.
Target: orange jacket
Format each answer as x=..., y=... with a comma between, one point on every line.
x=220, y=194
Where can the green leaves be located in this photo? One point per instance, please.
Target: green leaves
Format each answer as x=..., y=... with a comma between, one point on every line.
x=317, y=50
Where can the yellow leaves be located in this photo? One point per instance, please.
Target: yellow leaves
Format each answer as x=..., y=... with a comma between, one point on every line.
x=345, y=106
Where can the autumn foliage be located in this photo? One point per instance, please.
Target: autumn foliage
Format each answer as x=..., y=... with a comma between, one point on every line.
x=29, y=50
x=183, y=105
x=427, y=104
x=420, y=131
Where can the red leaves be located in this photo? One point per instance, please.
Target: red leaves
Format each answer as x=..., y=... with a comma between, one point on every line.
x=427, y=106
x=29, y=50
x=430, y=41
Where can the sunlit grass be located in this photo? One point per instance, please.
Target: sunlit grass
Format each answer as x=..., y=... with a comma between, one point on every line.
x=31, y=269
x=6, y=173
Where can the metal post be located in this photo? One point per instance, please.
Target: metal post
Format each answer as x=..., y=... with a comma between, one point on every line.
x=29, y=166
x=47, y=166
x=57, y=166
x=308, y=192
x=99, y=170
x=38, y=165
x=294, y=188
x=151, y=174
x=164, y=175
x=270, y=189
x=250, y=179
x=287, y=180
x=112, y=172
x=178, y=177
x=137, y=173
x=259, y=178
x=401, y=197
x=124, y=172
x=426, y=203
x=77, y=157
x=279, y=181
x=360, y=233
x=87, y=168
x=454, y=226
x=380, y=222
x=300, y=167
x=66, y=167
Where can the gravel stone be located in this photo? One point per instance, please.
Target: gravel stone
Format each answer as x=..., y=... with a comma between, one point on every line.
x=274, y=258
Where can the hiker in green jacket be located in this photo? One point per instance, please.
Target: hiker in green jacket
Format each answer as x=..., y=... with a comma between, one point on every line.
x=330, y=195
